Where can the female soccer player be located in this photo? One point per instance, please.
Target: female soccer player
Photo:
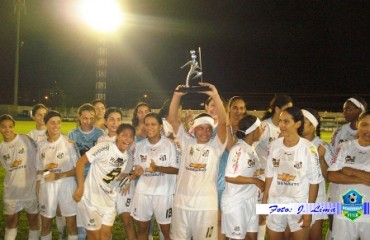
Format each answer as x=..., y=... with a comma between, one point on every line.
x=350, y=169
x=17, y=156
x=96, y=196
x=292, y=175
x=239, y=199
x=195, y=202
x=312, y=133
x=38, y=113
x=100, y=107
x=140, y=111
x=154, y=191
x=56, y=159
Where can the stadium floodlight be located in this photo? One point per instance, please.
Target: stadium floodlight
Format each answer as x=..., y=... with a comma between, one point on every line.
x=103, y=15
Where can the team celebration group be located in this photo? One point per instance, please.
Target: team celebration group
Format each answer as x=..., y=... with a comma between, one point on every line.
x=195, y=177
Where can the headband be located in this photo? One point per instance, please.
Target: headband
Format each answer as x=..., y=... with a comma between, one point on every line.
x=357, y=104
x=310, y=117
x=255, y=125
x=202, y=120
x=51, y=114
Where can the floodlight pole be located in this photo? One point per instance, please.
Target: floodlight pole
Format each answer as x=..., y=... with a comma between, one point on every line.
x=19, y=6
x=101, y=68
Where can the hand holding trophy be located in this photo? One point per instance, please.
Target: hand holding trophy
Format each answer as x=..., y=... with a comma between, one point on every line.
x=195, y=72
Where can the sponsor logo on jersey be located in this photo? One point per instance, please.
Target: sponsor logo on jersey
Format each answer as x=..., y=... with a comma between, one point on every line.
x=350, y=160
x=16, y=163
x=43, y=155
x=276, y=162
x=143, y=158
x=162, y=157
x=235, y=160
x=298, y=165
x=60, y=155
x=105, y=148
x=6, y=157
x=251, y=163
x=286, y=177
x=21, y=151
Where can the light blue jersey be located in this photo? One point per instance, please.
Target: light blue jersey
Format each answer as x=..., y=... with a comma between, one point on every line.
x=85, y=140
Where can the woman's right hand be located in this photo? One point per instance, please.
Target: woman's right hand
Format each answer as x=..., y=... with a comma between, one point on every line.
x=78, y=194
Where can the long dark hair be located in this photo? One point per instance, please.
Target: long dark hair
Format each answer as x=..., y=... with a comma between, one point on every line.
x=297, y=115
x=135, y=120
x=279, y=100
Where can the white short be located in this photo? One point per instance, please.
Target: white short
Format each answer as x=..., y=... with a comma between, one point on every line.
x=279, y=222
x=198, y=225
x=238, y=219
x=92, y=218
x=145, y=205
x=348, y=230
x=333, y=193
x=13, y=207
x=124, y=203
x=54, y=193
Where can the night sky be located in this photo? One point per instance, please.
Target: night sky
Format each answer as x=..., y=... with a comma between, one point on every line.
x=317, y=52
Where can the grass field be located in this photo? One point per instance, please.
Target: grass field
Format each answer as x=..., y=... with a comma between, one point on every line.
x=118, y=232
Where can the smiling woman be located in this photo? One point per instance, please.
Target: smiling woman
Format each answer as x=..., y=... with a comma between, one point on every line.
x=103, y=15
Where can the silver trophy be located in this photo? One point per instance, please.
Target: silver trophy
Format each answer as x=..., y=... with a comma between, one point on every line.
x=195, y=72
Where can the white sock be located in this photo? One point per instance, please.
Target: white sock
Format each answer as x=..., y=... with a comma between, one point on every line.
x=11, y=233
x=33, y=235
x=328, y=235
x=47, y=237
x=72, y=237
x=261, y=232
x=61, y=224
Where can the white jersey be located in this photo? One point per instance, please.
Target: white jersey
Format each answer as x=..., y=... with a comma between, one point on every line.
x=107, y=162
x=321, y=196
x=18, y=158
x=197, y=178
x=352, y=154
x=163, y=153
x=59, y=156
x=242, y=161
x=270, y=133
x=38, y=135
x=342, y=134
x=293, y=169
x=167, y=128
x=107, y=138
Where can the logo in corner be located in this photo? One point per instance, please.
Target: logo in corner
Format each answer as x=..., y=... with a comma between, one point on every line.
x=352, y=207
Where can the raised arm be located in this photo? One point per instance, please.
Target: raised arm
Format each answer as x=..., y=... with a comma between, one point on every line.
x=173, y=115
x=220, y=109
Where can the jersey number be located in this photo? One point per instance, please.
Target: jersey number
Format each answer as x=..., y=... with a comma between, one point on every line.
x=112, y=175
x=209, y=232
x=169, y=213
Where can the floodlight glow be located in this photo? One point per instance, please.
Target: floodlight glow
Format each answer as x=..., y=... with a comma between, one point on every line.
x=103, y=15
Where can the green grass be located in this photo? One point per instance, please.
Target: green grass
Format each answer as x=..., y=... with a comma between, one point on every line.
x=118, y=232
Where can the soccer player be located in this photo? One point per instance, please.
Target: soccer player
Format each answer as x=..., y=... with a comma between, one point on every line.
x=96, y=196
x=292, y=175
x=155, y=188
x=237, y=108
x=271, y=132
x=239, y=199
x=140, y=111
x=100, y=108
x=113, y=119
x=195, y=202
x=38, y=113
x=350, y=169
x=18, y=158
x=352, y=108
x=312, y=133
x=56, y=159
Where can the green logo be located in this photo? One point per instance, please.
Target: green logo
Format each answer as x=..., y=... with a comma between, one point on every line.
x=352, y=207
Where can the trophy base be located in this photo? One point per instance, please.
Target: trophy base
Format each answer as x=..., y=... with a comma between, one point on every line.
x=193, y=89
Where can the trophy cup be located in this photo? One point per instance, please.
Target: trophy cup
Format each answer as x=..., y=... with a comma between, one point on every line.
x=195, y=72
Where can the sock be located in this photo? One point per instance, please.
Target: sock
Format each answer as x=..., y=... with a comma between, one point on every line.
x=81, y=233
x=328, y=235
x=261, y=232
x=10, y=233
x=61, y=224
x=47, y=237
x=33, y=235
x=72, y=237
